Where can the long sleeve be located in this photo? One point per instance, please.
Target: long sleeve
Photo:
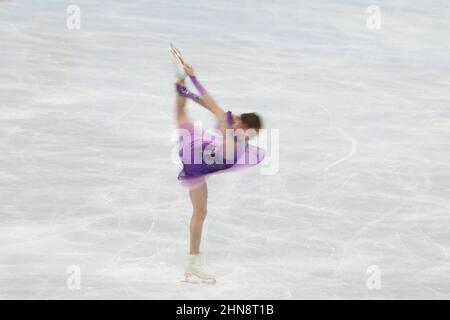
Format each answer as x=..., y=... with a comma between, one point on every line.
x=183, y=91
x=198, y=85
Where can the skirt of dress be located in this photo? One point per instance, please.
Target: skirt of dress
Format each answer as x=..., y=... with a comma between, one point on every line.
x=197, y=142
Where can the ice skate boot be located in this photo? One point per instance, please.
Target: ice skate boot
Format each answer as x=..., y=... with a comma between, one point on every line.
x=195, y=267
x=178, y=62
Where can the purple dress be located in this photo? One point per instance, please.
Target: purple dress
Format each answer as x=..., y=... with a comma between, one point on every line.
x=209, y=155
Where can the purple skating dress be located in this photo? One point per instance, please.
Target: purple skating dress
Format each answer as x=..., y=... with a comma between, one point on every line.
x=198, y=144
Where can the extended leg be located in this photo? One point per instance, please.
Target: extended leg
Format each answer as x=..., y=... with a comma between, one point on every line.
x=181, y=115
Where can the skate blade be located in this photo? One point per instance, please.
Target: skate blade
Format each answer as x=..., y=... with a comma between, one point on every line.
x=179, y=67
x=190, y=278
x=177, y=54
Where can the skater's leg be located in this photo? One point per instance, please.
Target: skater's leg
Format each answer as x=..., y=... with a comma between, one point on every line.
x=181, y=115
x=195, y=264
x=199, y=199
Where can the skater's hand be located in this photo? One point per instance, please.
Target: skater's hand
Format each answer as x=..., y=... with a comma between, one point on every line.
x=189, y=70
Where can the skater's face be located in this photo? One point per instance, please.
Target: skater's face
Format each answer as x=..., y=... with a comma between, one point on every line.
x=250, y=123
x=243, y=132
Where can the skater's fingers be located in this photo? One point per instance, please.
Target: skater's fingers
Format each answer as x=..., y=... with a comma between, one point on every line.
x=189, y=69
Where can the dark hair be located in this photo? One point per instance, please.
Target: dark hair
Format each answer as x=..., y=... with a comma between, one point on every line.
x=251, y=120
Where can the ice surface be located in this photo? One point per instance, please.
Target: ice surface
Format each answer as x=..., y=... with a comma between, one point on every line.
x=364, y=118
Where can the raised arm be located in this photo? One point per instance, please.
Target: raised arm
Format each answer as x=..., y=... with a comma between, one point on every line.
x=205, y=99
x=225, y=119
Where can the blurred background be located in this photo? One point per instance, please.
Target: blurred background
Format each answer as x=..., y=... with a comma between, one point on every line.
x=358, y=90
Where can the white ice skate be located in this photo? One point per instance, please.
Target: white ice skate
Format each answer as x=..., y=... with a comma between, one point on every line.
x=178, y=62
x=196, y=267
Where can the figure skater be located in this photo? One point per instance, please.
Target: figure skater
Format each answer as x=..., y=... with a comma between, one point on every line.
x=227, y=151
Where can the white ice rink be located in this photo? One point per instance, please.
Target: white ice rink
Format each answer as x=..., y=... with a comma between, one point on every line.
x=86, y=118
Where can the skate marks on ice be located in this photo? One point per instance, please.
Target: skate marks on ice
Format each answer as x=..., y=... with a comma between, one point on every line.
x=317, y=165
x=361, y=196
x=353, y=142
x=352, y=151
